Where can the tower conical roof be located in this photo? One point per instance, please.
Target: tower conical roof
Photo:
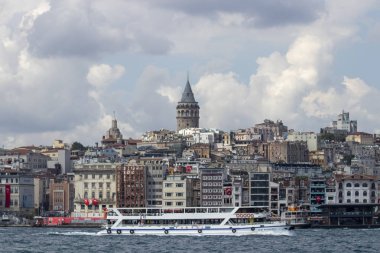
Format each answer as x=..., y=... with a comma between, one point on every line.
x=187, y=95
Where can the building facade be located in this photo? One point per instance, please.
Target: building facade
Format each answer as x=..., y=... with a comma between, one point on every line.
x=94, y=181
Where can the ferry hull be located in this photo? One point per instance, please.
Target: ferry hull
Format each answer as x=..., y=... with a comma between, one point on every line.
x=198, y=231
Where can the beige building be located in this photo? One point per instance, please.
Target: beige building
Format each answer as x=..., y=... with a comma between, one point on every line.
x=94, y=181
x=61, y=195
x=361, y=138
x=287, y=152
x=176, y=192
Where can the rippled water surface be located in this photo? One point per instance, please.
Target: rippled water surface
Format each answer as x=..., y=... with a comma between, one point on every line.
x=85, y=240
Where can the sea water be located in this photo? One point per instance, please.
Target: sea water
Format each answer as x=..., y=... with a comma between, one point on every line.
x=80, y=240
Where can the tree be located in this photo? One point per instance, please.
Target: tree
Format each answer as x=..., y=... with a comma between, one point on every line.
x=77, y=146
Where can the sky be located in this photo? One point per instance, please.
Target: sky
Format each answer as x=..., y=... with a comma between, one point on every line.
x=67, y=67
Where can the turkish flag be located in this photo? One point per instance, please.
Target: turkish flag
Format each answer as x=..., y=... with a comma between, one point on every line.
x=7, y=195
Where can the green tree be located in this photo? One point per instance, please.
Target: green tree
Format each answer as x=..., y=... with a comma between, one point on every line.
x=77, y=146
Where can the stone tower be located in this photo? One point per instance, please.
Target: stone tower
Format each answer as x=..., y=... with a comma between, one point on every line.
x=187, y=109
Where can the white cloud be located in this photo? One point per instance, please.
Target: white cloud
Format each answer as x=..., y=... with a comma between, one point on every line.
x=54, y=87
x=102, y=75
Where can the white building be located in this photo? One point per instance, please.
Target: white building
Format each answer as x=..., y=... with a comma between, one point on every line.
x=312, y=139
x=176, y=192
x=343, y=122
x=94, y=181
x=356, y=189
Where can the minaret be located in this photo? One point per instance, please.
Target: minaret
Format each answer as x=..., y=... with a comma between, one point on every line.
x=187, y=109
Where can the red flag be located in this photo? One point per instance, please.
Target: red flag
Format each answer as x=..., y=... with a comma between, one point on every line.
x=7, y=195
x=228, y=191
x=188, y=168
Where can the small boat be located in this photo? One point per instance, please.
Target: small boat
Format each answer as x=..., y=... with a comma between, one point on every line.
x=191, y=221
x=5, y=218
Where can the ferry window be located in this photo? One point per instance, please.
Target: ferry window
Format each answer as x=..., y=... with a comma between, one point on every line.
x=365, y=193
x=356, y=193
x=357, y=185
x=348, y=185
x=348, y=193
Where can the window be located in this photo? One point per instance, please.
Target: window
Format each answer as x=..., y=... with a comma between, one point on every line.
x=348, y=193
x=168, y=194
x=85, y=195
x=348, y=185
x=348, y=200
x=179, y=203
x=356, y=193
x=85, y=176
x=108, y=195
x=168, y=185
x=179, y=185
x=364, y=200
x=108, y=176
x=168, y=203
x=100, y=185
x=93, y=176
x=356, y=201
x=108, y=185
x=373, y=194
x=365, y=193
x=92, y=194
x=357, y=185
x=100, y=195
x=93, y=185
x=85, y=185
x=179, y=194
x=365, y=185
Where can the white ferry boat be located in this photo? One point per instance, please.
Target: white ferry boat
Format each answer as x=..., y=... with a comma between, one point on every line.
x=190, y=221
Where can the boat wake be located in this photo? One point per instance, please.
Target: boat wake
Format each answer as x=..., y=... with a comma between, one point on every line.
x=73, y=233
